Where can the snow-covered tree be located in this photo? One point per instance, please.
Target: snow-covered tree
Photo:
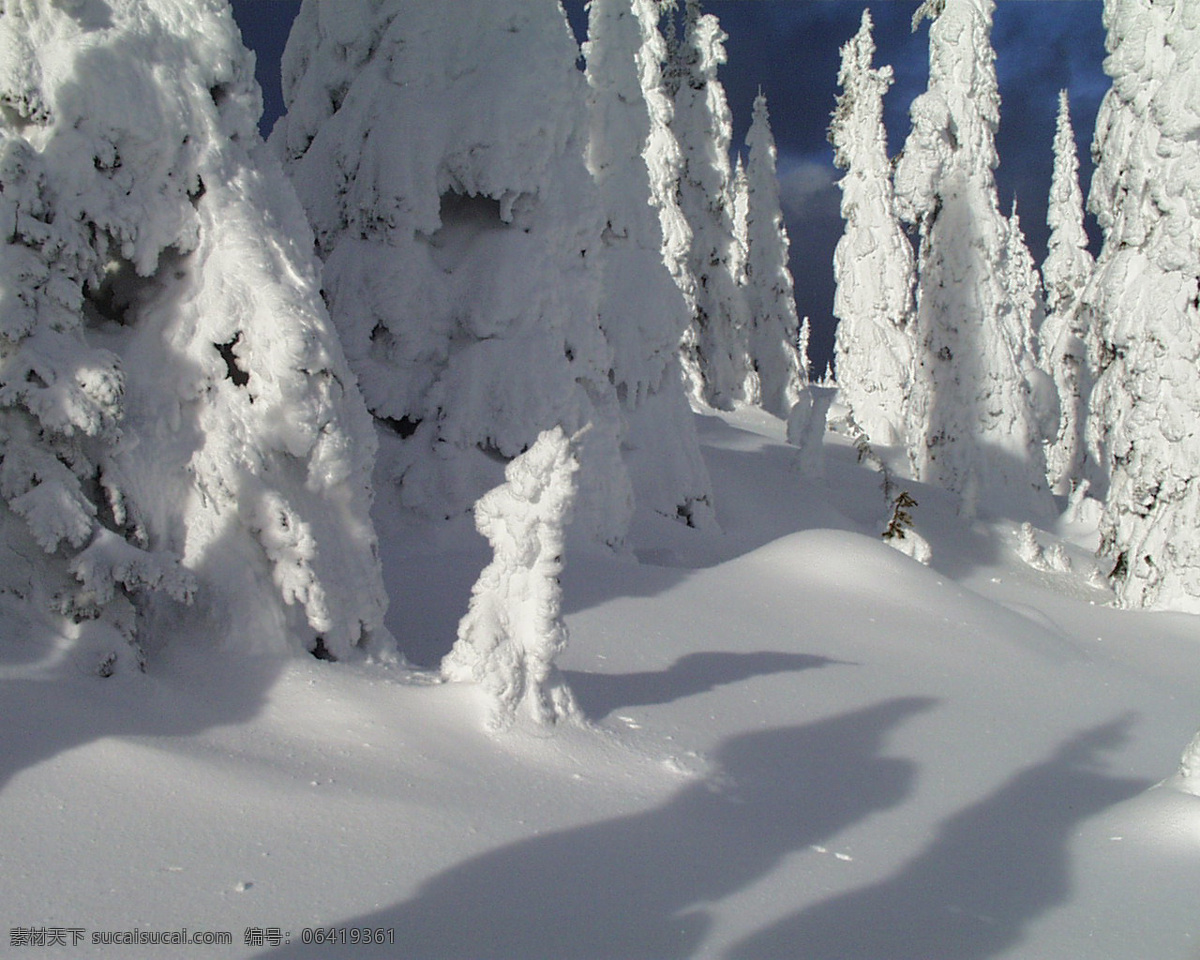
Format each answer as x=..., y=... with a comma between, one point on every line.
x=740, y=191
x=1189, y=767
x=513, y=630
x=972, y=426
x=643, y=311
x=713, y=350
x=777, y=381
x=873, y=262
x=1145, y=294
x=1023, y=309
x=177, y=422
x=440, y=153
x=1067, y=341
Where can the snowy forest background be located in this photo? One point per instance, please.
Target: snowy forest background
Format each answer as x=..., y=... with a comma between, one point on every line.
x=482, y=322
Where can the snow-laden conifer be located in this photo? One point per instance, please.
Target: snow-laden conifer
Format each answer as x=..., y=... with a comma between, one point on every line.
x=1189, y=767
x=643, y=311
x=440, y=152
x=713, y=350
x=971, y=426
x=1145, y=293
x=740, y=191
x=1068, y=348
x=1023, y=309
x=777, y=381
x=177, y=422
x=873, y=262
x=514, y=629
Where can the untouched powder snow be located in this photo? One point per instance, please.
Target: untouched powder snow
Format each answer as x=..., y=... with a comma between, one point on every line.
x=800, y=743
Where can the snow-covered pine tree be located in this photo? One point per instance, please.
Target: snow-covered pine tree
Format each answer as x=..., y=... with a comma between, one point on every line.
x=1145, y=293
x=440, y=156
x=177, y=421
x=972, y=427
x=1189, y=767
x=642, y=309
x=1068, y=348
x=513, y=630
x=713, y=349
x=1023, y=309
x=777, y=381
x=739, y=189
x=873, y=262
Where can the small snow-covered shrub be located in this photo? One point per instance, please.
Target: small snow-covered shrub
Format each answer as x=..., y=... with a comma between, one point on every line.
x=514, y=629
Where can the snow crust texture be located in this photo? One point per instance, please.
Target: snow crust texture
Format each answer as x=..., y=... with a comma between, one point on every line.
x=177, y=423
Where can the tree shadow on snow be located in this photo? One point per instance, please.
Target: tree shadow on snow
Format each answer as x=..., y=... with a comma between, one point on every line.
x=993, y=869
x=637, y=886
x=599, y=694
x=45, y=717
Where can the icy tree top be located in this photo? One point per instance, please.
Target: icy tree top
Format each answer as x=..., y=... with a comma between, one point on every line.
x=955, y=120
x=1068, y=262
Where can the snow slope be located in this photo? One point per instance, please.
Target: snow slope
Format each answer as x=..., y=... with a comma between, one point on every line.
x=801, y=744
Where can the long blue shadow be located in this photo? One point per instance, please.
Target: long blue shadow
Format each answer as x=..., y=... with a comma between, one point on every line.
x=636, y=886
x=599, y=694
x=993, y=869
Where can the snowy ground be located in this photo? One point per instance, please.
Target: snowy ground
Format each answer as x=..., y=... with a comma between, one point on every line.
x=804, y=745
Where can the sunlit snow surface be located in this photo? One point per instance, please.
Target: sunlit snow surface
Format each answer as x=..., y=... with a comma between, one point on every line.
x=803, y=744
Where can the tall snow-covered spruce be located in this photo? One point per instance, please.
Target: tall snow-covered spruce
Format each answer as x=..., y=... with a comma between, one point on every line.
x=514, y=629
x=972, y=426
x=873, y=262
x=1145, y=293
x=777, y=380
x=1067, y=338
x=440, y=152
x=635, y=161
x=713, y=349
x=177, y=422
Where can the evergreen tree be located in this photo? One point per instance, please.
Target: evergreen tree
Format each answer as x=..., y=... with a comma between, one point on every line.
x=177, y=422
x=873, y=262
x=1144, y=293
x=642, y=309
x=740, y=190
x=773, y=328
x=514, y=629
x=972, y=426
x=1067, y=340
x=1023, y=310
x=442, y=162
x=714, y=356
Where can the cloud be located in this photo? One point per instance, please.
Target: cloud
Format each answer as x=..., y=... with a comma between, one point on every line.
x=807, y=189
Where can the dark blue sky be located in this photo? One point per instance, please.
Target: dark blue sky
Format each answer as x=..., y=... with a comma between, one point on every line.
x=791, y=49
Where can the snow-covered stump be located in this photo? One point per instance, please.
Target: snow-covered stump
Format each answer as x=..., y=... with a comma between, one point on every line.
x=513, y=629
